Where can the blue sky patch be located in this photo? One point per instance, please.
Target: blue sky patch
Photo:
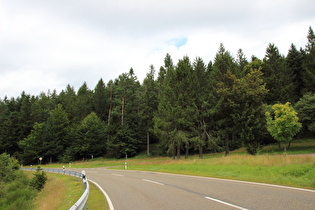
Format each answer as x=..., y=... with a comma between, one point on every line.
x=178, y=42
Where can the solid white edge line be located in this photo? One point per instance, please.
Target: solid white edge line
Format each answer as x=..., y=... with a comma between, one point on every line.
x=146, y=180
x=236, y=181
x=109, y=202
x=225, y=203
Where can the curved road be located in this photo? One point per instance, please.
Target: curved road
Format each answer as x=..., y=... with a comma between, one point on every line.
x=130, y=190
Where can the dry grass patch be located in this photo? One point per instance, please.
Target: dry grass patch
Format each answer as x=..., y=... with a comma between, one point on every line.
x=53, y=192
x=263, y=160
x=60, y=192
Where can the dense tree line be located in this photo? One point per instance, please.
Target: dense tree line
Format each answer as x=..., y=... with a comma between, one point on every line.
x=185, y=107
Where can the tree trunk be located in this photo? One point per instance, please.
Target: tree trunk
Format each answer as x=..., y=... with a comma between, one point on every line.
x=289, y=145
x=178, y=151
x=110, y=102
x=200, y=151
x=187, y=153
x=148, y=144
x=279, y=145
x=173, y=150
x=122, y=110
x=227, y=146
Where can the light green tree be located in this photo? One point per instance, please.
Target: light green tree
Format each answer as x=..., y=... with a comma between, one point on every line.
x=283, y=124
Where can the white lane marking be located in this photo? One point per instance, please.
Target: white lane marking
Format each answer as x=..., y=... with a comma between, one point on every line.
x=109, y=202
x=117, y=175
x=146, y=180
x=225, y=203
x=238, y=181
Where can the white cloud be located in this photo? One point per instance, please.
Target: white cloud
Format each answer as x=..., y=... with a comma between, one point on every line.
x=55, y=43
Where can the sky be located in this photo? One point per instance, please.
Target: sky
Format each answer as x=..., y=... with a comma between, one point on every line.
x=46, y=45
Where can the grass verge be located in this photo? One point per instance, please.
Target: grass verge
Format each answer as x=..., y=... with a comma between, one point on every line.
x=96, y=199
x=62, y=191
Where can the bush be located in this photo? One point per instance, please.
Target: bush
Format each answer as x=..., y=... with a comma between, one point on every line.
x=15, y=192
x=39, y=179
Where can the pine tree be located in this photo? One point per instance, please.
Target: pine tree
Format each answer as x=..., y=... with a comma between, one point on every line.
x=69, y=100
x=84, y=101
x=201, y=89
x=309, y=64
x=56, y=130
x=100, y=103
x=241, y=62
x=294, y=63
x=278, y=77
x=176, y=108
x=220, y=110
x=150, y=103
x=124, y=130
x=90, y=140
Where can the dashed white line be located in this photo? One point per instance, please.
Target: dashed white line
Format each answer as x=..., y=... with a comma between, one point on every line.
x=225, y=203
x=117, y=175
x=146, y=180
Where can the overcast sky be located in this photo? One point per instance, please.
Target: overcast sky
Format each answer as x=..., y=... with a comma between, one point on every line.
x=47, y=44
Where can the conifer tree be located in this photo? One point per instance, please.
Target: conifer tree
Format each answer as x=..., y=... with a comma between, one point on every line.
x=150, y=103
x=100, y=104
x=220, y=110
x=55, y=138
x=84, y=103
x=309, y=64
x=90, y=140
x=294, y=63
x=278, y=77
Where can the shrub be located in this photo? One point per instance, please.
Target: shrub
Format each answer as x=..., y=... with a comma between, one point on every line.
x=39, y=179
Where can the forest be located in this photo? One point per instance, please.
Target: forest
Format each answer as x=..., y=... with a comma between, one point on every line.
x=188, y=107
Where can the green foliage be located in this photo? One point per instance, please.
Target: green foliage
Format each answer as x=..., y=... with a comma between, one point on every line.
x=278, y=77
x=309, y=64
x=90, y=137
x=283, y=123
x=8, y=168
x=15, y=192
x=294, y=62
x=306, y=111
x=39, y=179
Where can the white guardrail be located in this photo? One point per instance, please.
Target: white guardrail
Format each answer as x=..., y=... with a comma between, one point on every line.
x=81, y=203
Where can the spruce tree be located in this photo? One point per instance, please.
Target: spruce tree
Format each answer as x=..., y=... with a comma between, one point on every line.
x=278, y=77
x=149, y=104
x=294, y=63
x=309, y=64
x=100, y=100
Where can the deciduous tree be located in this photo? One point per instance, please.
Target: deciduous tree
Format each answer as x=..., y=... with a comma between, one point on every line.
x=283, y=124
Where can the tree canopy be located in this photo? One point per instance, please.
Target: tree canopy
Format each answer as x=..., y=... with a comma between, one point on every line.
x=182, y=107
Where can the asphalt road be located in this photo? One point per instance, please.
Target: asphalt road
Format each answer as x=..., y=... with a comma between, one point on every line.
x=149, y=190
